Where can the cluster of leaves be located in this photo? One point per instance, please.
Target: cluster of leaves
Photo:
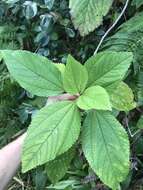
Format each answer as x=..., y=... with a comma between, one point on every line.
x=93, y=84
x=48, y=28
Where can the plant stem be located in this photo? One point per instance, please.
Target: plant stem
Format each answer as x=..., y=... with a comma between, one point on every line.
x=112, y=26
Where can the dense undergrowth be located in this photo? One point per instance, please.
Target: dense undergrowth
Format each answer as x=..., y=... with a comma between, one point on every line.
x=46, y=28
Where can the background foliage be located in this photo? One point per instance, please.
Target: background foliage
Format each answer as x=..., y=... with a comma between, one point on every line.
x=45, y=27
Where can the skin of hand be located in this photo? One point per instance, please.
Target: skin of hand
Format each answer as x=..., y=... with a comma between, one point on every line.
x=10, y=155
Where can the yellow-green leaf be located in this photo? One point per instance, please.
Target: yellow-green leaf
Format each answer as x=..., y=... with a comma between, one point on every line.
x=75, y=76
x=52, y=132
x=61, y=67
x=57, y=168
x=94, y=97
x=122, y=98
x=33, y=72
x=88, y=14
x=106, y=147
x=107, y=68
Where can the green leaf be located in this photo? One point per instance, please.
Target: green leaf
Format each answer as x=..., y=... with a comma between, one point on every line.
x=40, y=178
x=134, y=24
x=139, y=88
x=137, y=3
x=57, y=168
x=106, y=147
x=108, y=67
x=75, y=76
x=0, y=57
x=88, y=14
x=111, y=87
x=35, y=73
x=140, y=123
x=61, y=67
x=122, y=98
x=94, y=97
x=52, y=132
x=64, y=185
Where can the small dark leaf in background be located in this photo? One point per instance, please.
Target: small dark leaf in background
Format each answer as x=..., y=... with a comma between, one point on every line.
x=42, y=39
x=40, y=179
x=30, y=9
x=47, y=22
x=49, y=3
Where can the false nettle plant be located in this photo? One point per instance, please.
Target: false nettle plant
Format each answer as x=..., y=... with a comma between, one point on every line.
x=56, y=128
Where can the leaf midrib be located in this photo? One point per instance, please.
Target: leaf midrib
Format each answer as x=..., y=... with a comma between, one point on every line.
x=106, y=147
